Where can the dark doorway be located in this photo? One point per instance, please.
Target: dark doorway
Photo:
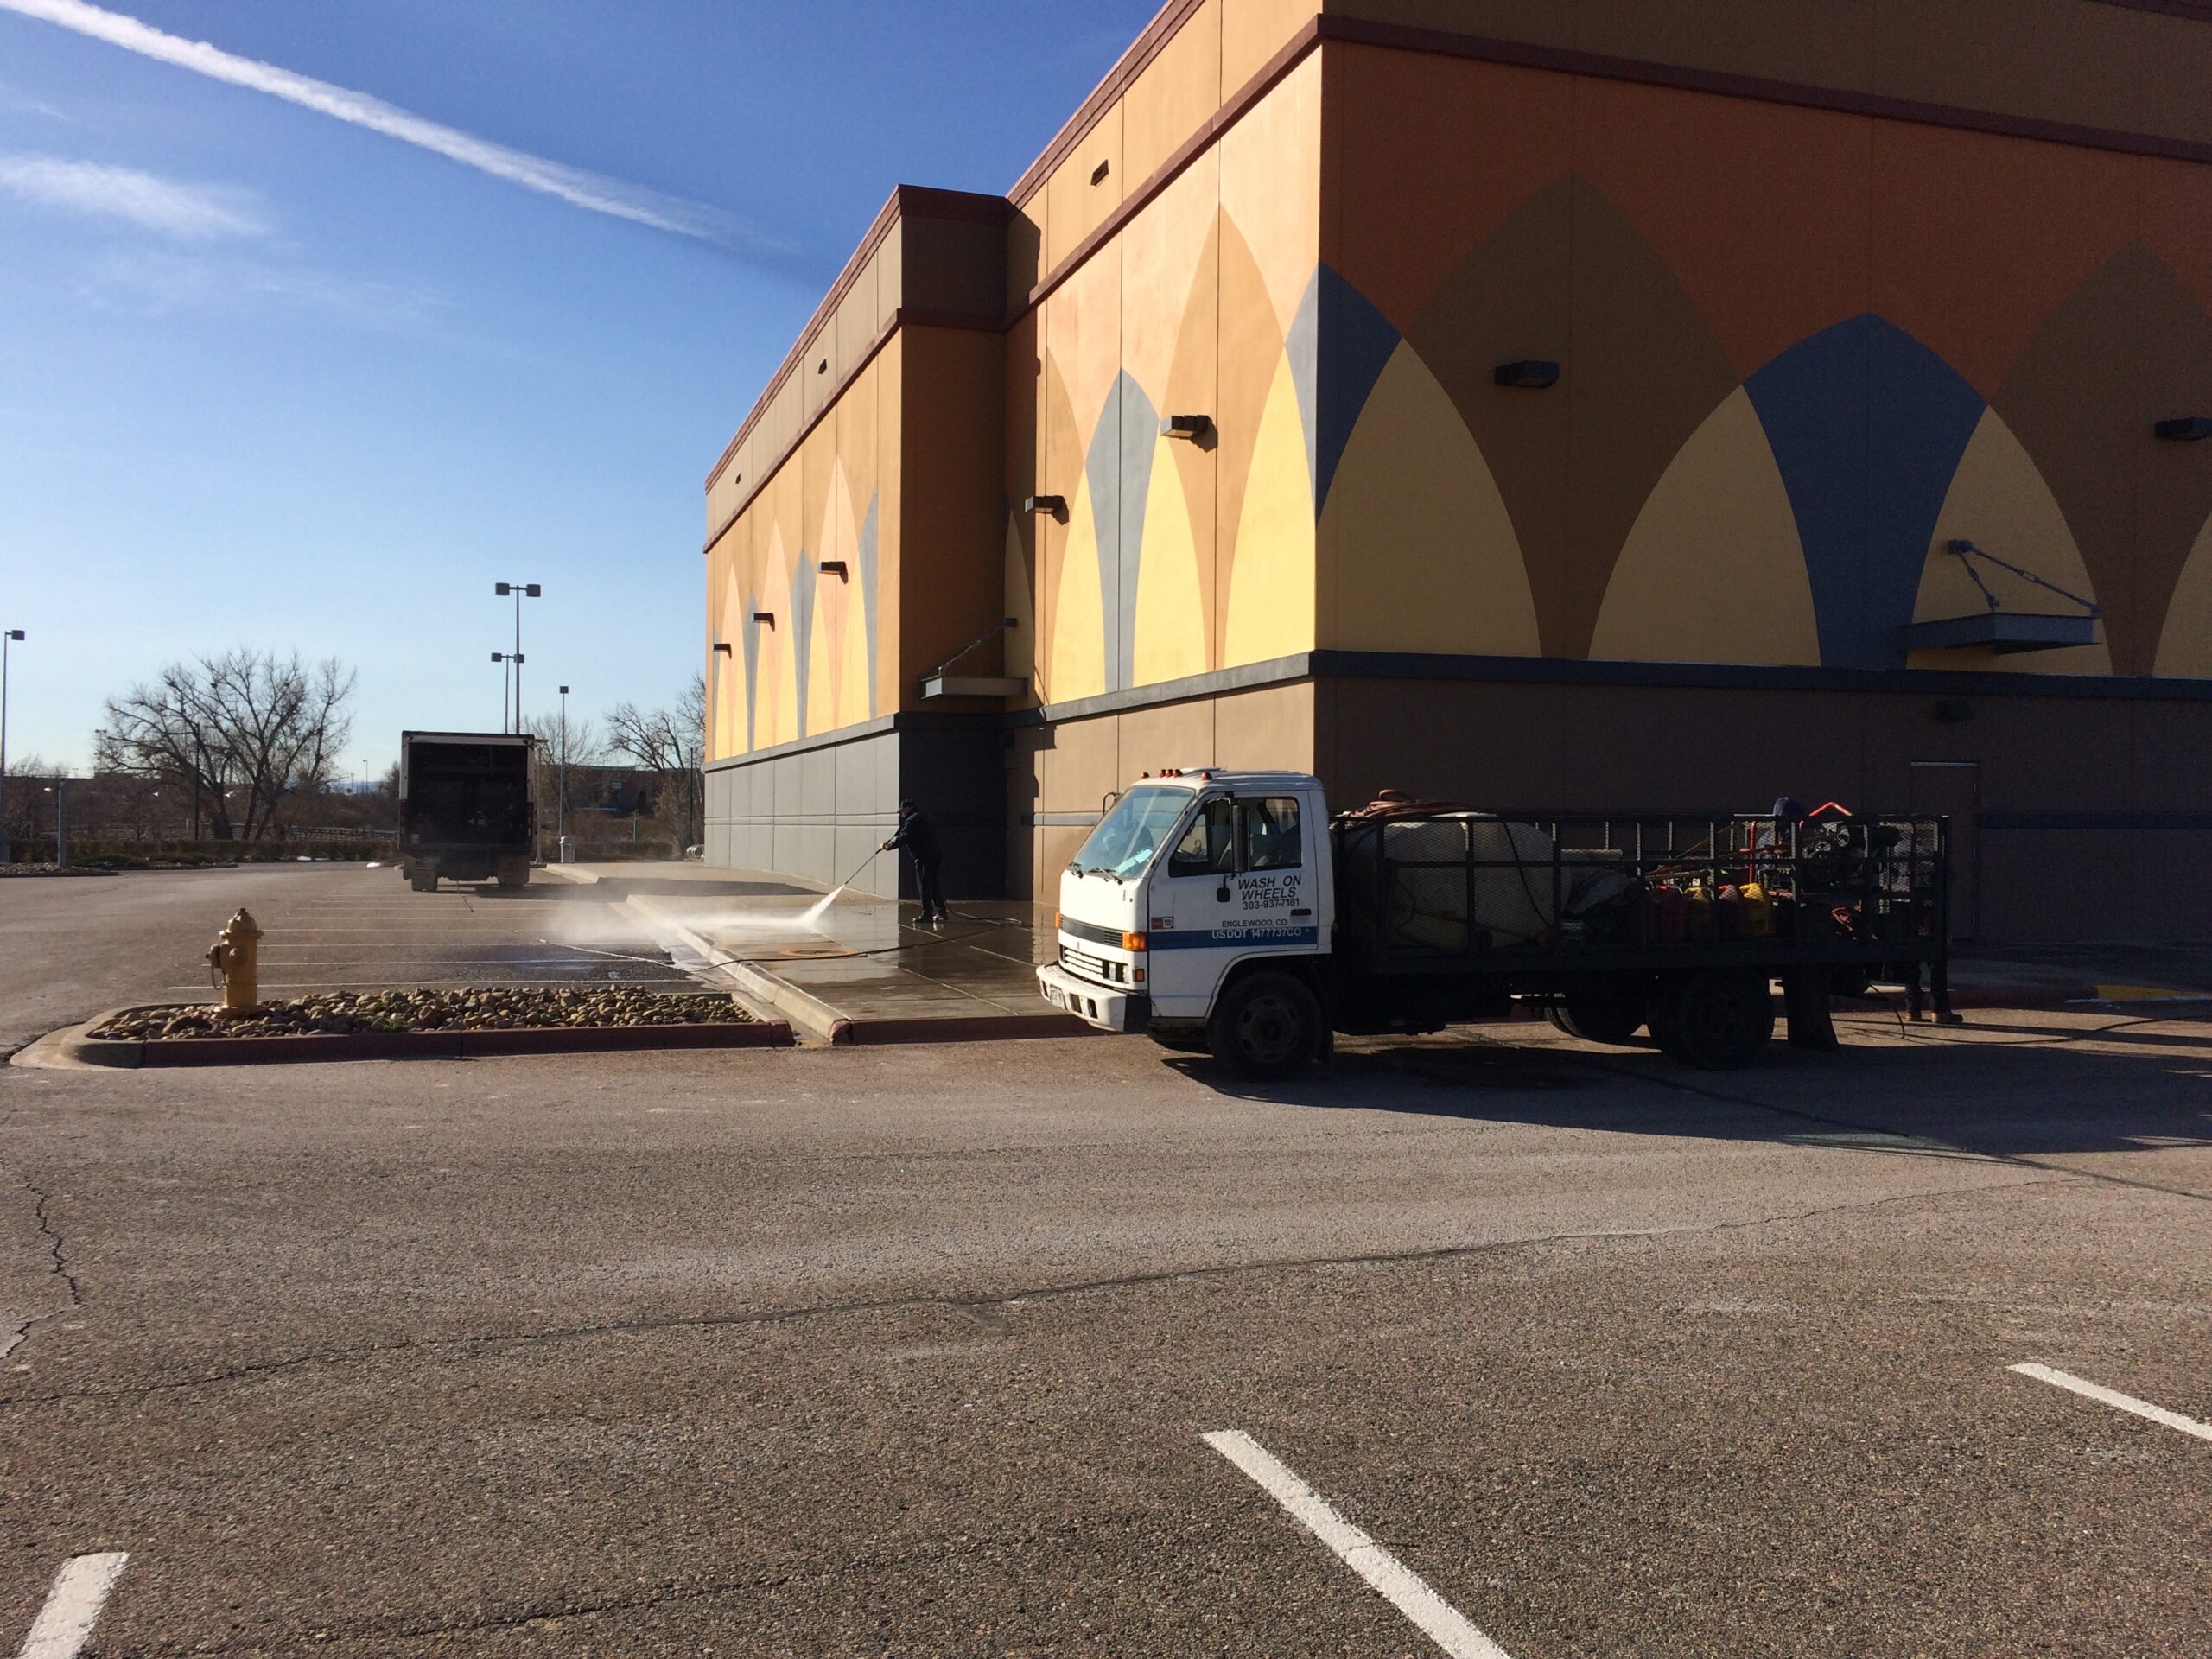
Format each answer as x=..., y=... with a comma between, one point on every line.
x=1953, y=789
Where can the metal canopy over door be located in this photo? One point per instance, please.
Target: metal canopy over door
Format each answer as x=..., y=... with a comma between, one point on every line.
x=1953, y=789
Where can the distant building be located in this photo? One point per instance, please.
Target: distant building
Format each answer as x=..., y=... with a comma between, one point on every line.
x=1543, y=402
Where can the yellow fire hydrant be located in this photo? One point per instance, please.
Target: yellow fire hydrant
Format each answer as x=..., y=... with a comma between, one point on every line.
x=235, y=961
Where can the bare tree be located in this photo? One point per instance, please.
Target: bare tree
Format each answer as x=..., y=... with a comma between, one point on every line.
x=672, y=741
x=243, y=731
x=555, y=774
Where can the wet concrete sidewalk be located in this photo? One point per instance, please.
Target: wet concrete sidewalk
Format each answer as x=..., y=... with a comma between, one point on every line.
x=860, y=970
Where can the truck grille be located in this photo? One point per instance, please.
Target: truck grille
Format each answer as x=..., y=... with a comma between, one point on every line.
x=1090, y=967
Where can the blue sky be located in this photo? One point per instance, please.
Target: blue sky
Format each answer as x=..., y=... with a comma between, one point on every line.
x=268, y=377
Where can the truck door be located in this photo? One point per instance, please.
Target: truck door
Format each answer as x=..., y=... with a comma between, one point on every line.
x=1236, y=884
x=1273, y=906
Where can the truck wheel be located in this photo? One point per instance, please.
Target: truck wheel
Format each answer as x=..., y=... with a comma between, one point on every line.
x=1607, y=1014
x=422, y=880
x=1266, y=1026
x=1720, y=1020
x=514, y=872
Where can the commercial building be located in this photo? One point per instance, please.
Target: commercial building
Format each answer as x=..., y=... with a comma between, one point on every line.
x=1537, y=402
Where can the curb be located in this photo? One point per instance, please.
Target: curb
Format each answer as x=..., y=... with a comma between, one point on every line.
x=2055, y=998
x=808, y=1012
x=964, y=1028
x=153, y=1053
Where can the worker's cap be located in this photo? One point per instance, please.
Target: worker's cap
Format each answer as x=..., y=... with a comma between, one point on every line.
x=908, y=806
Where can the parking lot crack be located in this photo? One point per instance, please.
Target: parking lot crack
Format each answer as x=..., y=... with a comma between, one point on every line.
x=20, y=1332
x=990, y=1309
x=991, y=1544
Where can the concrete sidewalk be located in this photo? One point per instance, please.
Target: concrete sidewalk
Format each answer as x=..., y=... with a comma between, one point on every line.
x=860, y=972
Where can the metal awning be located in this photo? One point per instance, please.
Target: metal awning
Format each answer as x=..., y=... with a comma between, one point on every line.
x=2002, y=631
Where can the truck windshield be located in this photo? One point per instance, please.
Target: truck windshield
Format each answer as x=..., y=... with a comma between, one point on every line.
x=1130, y=836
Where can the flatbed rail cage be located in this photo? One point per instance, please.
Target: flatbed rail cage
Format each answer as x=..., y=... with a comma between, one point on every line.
x=1540, y=896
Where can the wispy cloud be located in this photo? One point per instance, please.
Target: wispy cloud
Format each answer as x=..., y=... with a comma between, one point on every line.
x=12, y=99
x=156, y=281
x=590, y=191
x=191, y=213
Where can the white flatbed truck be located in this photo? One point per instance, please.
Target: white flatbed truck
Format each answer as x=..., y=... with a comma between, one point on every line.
x=1229, y=911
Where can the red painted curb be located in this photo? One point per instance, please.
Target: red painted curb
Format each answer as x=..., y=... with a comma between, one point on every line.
x=320, y=1046
x=595, y=1040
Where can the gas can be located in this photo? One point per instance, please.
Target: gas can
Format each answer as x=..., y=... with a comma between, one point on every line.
x=1759, y=912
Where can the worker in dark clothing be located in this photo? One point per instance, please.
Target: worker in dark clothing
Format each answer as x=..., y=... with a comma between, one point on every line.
x=916, y=836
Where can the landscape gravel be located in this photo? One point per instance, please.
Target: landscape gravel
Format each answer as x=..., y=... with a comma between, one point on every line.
x=344, y=1011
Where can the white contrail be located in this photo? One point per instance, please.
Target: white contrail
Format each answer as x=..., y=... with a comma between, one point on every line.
x=587, y=190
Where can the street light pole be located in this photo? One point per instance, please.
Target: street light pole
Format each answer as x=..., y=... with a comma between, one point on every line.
x=520, y=590
x=564, y=766
x=505, y=656
x=6, y=634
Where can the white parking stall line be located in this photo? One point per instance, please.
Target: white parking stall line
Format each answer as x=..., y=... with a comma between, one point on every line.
x=72, y=1606
x=1395, y=1582
x=2113, y=1398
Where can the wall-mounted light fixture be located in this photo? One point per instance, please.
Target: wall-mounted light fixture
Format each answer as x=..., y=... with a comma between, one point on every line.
x=1193, y=427
x=1054, y=506
x=1098, y=173
x=836, y=568
x=722, y=647
x=1533, y=374
x=2190, y=428
x=823, y=367
x=766, y=619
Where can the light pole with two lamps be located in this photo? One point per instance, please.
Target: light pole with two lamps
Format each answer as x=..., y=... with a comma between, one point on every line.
x=521, y=590
x=514, y=657
x=6, y=634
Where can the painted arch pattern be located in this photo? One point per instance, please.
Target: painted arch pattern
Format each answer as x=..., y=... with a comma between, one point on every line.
x=1803, y=352
x=1176, y=557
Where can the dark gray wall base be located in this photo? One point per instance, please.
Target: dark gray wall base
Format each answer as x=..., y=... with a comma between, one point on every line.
x=818, y=808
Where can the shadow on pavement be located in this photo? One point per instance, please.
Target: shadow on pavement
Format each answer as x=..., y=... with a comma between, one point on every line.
x=1992, y=1091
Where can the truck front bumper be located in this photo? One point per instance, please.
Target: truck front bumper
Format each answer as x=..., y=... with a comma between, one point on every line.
x=1093, y=1004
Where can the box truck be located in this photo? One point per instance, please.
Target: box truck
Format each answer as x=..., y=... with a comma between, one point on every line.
x=467, y=807
x=1230, y=912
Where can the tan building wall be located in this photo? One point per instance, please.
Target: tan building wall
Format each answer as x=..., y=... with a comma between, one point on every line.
x=1829, y=285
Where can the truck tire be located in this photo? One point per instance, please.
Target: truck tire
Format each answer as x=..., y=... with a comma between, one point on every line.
x=514, y=872
x=1610, y=1012
x=1717, y=1019
x=423, y=878
x=1266, y=1026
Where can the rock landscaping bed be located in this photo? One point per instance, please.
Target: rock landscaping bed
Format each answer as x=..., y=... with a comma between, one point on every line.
x=352, y=1013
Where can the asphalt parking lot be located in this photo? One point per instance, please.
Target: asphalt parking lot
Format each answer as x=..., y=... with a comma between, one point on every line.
x=1473, y=1346
x=80, y=945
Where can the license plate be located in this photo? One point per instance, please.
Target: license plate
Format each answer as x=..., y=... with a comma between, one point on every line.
x=1056, y=996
